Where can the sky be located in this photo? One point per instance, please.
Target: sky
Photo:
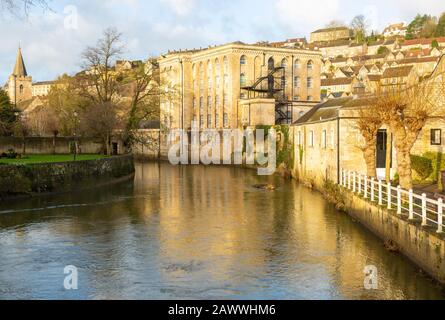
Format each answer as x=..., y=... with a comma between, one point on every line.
x=52, y=41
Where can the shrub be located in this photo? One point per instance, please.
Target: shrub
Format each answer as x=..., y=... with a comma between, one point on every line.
x=422, y=166
x=12, y=154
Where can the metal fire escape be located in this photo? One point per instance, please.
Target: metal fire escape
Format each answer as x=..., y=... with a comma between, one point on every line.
x=272, y=86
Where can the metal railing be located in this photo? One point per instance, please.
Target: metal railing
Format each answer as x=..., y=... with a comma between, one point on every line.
x=405, y=202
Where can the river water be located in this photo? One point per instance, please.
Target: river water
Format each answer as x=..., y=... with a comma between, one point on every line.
x=196, y=233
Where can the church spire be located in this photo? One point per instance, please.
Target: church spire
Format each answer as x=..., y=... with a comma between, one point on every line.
x=19, y=69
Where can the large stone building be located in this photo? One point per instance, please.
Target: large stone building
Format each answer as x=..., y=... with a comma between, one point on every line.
x=236, y=84
x=19, y=84
x=330, y=34
x=20, y=87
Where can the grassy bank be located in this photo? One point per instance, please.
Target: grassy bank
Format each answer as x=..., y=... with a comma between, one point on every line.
x=33, y=159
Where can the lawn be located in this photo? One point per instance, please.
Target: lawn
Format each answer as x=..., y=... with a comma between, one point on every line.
x=31, y=159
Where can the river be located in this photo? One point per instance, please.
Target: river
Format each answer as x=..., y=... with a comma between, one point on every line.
x=196, y=232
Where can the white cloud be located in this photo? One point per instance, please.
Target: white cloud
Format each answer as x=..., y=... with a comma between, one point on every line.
x=298, y=15
x=180, y=7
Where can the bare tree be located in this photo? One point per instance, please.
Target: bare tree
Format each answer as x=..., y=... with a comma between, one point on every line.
x=19, y=7
x=359, y=25
x=99, y=121
x=99, y=82
x=405, y=111
x=368, y=123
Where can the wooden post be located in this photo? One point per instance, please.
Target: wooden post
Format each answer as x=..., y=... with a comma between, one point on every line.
x=411, y=210
x=389, y=195
x=424, y=220
x=380, y=193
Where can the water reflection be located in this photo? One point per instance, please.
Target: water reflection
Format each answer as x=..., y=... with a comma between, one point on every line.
x=195, y=232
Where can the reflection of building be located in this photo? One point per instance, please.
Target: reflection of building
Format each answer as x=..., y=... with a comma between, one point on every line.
x=215, y=82
x=330, y=34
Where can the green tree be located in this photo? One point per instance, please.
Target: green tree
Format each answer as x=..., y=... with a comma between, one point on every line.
x=383, y=50
x=8, y=113
x=423, y=26
x=434, y=44
x=440, y=29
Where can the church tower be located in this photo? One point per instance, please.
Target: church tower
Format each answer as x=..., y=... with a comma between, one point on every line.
x=19, y=83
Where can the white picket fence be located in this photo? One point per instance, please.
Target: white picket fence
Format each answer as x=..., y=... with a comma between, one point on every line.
x=395, y=198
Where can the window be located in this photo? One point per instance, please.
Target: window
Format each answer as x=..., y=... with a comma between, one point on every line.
x=310, y=65
x=194, y=103
x=297, y=64
x=271, y=64
x=310, y=83
x=201, y=105
x=209, y=83
x=226, y=100
x=284, y=63
x=201, y=120
x=243, y=61
x=217, y=82
x=243, y=81
x=226, y=120
x=209, y=120
x=436, y=137
x=324, y=142
x=297, y=98
x=311, y=138
x=226, y=81
x=296, y=81
x=226, y=64
x=209, y=102
x=217, y=66
x=309, y=98
x=217, y=101
x=21, y=88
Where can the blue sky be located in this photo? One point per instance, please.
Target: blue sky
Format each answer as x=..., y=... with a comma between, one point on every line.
x=52, y=43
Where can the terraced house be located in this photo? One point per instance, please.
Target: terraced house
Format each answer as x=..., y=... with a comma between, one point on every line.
x=236, y=85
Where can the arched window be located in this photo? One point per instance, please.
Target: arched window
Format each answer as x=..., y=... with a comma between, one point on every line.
x=297, y=64
x=201, y=70
x=310, y=83
x=21, y=88
x=226, y=64
x=243, y=60
x=209, y=68
x=310, y=65
x=271, y=64
x=217, y=66
x=243, y=80
x=297, y=82
x=284, y=63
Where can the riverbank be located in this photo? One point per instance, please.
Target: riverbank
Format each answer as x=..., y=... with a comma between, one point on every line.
x=44, y=178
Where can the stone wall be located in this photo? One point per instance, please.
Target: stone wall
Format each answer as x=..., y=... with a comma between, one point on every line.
x=422, y=245
x=62, y=177
x=44, y=145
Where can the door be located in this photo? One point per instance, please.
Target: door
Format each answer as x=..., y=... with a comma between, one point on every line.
x=382, y=140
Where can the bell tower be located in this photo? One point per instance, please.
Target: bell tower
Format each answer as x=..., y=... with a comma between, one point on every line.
x=19, y=83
